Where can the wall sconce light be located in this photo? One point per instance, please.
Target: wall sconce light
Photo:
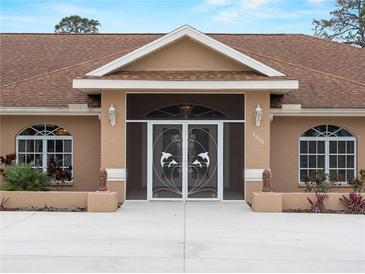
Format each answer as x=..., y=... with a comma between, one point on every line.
x=258, y=114
x=112, y=113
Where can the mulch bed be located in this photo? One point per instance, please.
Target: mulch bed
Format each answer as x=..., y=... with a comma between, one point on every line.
x=331, y=211
x=45, y=208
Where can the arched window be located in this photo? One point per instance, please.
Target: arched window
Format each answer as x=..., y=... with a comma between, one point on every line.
x=37, y=144
x=329, y=148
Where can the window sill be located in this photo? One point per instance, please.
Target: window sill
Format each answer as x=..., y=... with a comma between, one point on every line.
x=68, y=183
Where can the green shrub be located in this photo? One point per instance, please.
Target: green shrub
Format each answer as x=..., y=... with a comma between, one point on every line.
x=24, y=177
x=321, y=184
x=318, y=181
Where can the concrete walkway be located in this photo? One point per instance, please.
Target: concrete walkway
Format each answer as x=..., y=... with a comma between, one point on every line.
x=178, y=237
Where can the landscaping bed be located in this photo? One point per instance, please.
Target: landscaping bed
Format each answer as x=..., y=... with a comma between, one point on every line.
x=317, y=197
x=66, y=201
x=326, y=211
x=45, y=208
x=29, y=189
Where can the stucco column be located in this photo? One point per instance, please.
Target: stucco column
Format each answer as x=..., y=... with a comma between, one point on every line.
x=113, y=141
x=257, y=141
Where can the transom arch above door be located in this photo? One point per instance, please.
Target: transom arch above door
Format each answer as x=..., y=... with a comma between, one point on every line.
x=185, y=111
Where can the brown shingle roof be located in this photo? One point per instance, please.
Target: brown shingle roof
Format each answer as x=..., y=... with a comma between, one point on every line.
x=37, y=69
x=188, y=76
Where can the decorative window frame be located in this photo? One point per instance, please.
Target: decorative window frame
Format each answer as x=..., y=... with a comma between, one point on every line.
x=45, y=138
x=327, y=153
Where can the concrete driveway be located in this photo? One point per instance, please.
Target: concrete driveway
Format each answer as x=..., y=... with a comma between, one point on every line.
x=181, y=237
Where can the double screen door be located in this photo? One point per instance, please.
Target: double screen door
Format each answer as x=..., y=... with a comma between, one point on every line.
x=184, y=160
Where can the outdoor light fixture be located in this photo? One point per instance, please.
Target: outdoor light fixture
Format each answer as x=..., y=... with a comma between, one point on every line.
x=258, y=112
x=61, y=132
x=112, y=113
x=185, y=110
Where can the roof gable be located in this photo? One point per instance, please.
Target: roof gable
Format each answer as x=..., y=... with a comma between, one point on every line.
x=184, y=31
x=185, y=54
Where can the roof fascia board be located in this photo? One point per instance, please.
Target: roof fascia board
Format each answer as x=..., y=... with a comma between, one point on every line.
x=93, y=86
x=174, y=36
x=48, y=111
x=309, y=112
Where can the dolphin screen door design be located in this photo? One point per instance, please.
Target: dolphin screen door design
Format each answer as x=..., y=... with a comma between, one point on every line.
x=184, y=160
x=185, y=146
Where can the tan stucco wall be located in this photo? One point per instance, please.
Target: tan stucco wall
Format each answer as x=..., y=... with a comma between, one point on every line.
x=251, y=187
x=86, y=143
x=112, y=137
x=103, y=201
x=285, y=133
x=267, y=202
x=257, y=138
x=119, y=188
x=185, y=54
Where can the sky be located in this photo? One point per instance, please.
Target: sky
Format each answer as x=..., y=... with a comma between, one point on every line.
x=230, y=16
